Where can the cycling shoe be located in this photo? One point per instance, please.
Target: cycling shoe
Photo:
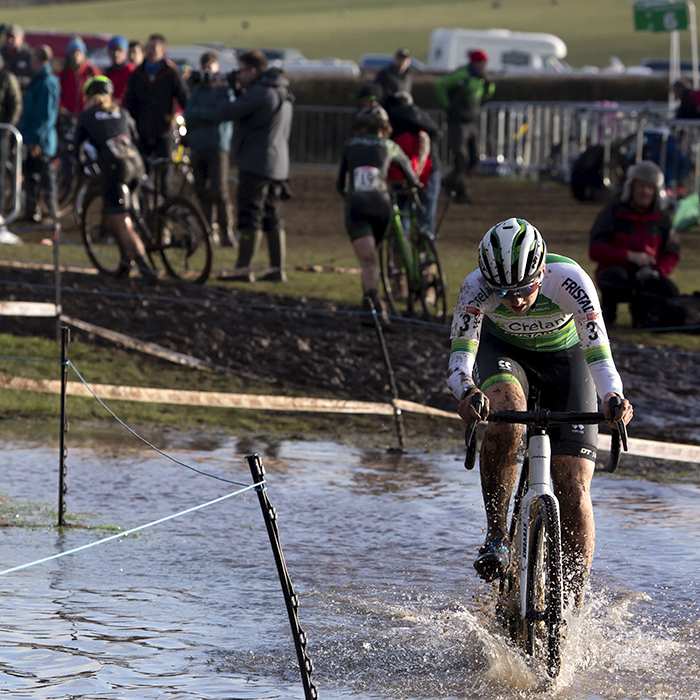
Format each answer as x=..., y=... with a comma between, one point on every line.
x=492, y=560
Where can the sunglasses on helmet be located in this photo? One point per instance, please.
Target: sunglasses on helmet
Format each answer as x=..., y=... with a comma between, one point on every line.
x=521, y=292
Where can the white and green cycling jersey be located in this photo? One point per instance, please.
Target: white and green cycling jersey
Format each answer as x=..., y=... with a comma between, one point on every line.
x=567, y=311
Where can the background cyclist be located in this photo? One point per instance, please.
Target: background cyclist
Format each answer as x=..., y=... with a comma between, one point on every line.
x=112, y=133
x=362, y=180
x=526, y=317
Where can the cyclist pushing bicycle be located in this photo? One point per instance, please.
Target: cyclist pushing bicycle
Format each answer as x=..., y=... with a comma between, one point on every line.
x=525, y=319
x=362, y=180
x=112, y=133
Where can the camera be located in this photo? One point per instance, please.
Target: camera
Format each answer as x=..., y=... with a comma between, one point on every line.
x=202, y=78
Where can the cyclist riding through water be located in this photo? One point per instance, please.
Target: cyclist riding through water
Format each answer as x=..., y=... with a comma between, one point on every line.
x=362, y=180
x=111, y=132
x=524, y=318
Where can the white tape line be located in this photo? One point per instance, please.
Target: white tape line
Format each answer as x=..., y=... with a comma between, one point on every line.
x=637, y=447
x=658, y=450
x=27, y=309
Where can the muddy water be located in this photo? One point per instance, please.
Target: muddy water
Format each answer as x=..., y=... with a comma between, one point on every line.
x=379, y=548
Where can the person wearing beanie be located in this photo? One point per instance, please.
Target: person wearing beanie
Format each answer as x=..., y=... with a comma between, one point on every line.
x=77, y=70
x=461, y=93
x=634, y=243
x=396, y=77
x=121, y=67
x=16, y=55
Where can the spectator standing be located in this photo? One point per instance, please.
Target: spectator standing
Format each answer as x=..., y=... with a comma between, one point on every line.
x=396, y=77
x=689, y=108
x=121, y=68
x=77, y=70
x=419, y=135
x=262, y=116
x=10, y=111
x=10, y=96
x=461, y=93
x=16, y=55
x=210, y=143
x=135, y=53
x=152, y=91
x=38, y=128
x=634, y=242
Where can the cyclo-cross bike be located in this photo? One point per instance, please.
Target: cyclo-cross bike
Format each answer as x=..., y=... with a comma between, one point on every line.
x=412, y=275
x=531, y=598
x=173, y=231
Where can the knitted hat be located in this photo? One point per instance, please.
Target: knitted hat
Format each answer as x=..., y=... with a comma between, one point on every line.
x=76, y=43
x=645, y=171
x=478, y=55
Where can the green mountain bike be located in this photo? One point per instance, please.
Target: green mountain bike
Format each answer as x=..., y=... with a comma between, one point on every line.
x=411, y=272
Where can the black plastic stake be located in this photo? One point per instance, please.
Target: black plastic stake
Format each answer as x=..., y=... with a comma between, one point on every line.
x=57, y=275
x=398, y=415
x=290, y=598
x=62, y=488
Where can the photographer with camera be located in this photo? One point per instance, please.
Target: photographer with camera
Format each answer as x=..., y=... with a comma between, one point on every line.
x=210, y=144
x=262, y=114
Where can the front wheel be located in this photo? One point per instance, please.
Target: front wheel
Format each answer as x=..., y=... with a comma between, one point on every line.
x=433, y=284
x=100, y=244
x=544, y=612
x=183, y=240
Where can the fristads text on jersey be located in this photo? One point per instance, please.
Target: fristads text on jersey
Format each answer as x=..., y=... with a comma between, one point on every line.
x=578, y=293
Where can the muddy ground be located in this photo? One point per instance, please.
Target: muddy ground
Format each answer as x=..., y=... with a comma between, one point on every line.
x=320, y=348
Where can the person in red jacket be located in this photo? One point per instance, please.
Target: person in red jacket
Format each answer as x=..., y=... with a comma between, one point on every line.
x=634, y=242
x=121, y=68
x=77, y=70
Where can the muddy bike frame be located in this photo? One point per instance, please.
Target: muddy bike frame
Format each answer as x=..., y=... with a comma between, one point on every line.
x=531, y=588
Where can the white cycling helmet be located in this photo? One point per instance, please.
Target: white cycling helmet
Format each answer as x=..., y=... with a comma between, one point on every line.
x=512, y=254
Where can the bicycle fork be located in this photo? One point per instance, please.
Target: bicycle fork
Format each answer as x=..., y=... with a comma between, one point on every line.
x=540, y=460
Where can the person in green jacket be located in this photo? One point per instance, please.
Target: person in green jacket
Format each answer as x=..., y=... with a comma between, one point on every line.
x=461, y=93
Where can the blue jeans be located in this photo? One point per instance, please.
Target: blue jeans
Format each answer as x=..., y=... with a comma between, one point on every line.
x=426, y=219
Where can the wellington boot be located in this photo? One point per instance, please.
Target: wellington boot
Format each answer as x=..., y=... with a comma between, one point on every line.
x=249, y=242
x=277, y=247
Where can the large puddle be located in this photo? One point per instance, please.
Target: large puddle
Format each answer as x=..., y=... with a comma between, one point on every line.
x=379, y=547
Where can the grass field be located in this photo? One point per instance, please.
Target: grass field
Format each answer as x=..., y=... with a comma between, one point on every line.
x=592, y=29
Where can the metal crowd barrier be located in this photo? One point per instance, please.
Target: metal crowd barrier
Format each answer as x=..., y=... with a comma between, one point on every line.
x=523, y=139
x=10, y=173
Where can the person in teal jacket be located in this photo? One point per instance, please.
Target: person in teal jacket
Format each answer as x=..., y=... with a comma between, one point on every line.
x=461, y=93
x=38, y=128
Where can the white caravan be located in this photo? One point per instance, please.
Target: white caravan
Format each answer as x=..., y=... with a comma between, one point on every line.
x=509, y=52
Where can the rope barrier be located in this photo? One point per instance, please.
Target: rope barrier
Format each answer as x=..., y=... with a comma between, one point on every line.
x=142, y=439
x=131, y=531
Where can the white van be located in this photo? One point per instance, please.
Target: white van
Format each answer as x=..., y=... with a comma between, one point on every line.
x=508, y=52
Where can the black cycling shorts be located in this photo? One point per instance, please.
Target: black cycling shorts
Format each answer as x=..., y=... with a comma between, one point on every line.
x=367, y=214
x=119, y=181
x=564, y=381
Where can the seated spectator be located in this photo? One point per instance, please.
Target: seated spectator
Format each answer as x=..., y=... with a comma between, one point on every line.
x=210, y=142
x=16, y=55
x=121, y=68
x=397, y=76
x=77, y=70
x=634, y=242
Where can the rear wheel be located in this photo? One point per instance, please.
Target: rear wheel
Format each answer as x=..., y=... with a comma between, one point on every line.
x=544, y=586
x=184, y=240
x=101, y=245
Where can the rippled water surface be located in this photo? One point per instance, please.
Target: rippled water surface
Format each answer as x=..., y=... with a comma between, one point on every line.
x=379, y=547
